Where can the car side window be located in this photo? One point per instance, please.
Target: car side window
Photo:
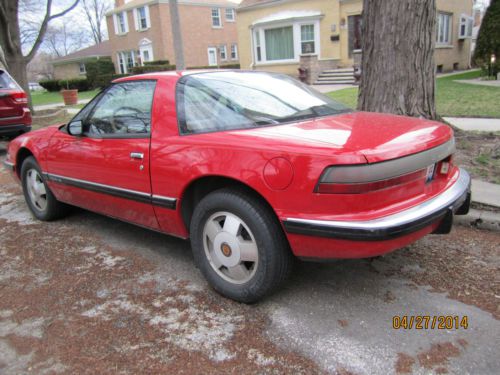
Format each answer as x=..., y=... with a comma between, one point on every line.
x=123, y=111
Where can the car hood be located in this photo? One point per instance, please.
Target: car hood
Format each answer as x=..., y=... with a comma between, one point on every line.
x=376, y=136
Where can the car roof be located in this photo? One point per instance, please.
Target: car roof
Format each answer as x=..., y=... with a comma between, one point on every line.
x=173, y=74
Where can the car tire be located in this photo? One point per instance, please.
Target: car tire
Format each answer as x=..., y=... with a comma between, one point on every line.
x=239, y=245
x=40, y=200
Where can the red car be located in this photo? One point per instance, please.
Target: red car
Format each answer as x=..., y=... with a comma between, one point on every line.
x=15, y=116
x=255, y=168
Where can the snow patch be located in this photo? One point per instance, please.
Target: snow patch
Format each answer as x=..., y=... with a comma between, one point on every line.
x=14, y=210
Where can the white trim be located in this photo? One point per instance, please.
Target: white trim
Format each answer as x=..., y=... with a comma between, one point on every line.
x=135, y=12
x=235, y=45
x=148, y=18
x=234, y=14
x=212, y=18
x=146, y=45
x=297, y=44
x=212, y=49
x=223, y=47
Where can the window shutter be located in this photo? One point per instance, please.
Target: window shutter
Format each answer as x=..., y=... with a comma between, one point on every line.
x=136, y=18
x=126, y=21
x=148, y=20
x=115, y=23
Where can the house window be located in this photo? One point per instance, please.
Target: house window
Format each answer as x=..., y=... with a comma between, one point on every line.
x=216, y=21
x=307, y=39
x=443, y=33
x=122, y=22
x=354, y=24
x=142, y=15
x=126, y=61
x=230, y=14
x=257, y=46
x=279, y=43
x=223, y=52
x=234, y=52
x=82, y=68
x=465, y=29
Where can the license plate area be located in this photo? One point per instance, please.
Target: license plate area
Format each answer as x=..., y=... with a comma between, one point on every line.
x=429, y=175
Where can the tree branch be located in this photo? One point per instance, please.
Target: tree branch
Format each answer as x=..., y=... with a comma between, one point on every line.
x=43, y=27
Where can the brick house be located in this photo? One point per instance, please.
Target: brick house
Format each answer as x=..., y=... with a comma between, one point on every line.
x=73, y=64
x=140, y=31
x=281, y=35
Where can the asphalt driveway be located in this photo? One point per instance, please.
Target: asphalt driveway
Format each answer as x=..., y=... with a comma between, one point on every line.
x=90, y=294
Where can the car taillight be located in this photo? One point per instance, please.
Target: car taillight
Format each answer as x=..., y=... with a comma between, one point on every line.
x=19, y=97
x=325, y=187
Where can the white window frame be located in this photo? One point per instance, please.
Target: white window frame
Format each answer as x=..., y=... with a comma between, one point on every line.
x=216, y=17
x=117, y=24
x=297, y=44
x=137, y=18
x=232, y=13
x=234, y=51
x=122, y=60
x=223, y=52
x=80, y=66
x=444, y=40
x=308, y=40
x=466, y=23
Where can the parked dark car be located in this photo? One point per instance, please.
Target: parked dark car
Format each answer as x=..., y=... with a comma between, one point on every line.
x=15, y=116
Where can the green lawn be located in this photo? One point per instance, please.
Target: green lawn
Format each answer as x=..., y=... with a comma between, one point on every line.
x=44, y=97
x=453, y=99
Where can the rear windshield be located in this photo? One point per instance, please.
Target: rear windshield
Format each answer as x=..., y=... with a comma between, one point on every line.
x=218, y=101
x=6, y=82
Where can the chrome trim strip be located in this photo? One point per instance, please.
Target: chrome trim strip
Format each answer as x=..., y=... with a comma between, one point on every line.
x=434, y=208
x=8, y=165
x=139, y=196
x=55, y=177
x=387, y=169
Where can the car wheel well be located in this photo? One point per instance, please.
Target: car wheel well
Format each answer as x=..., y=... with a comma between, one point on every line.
x=200, y=188
x=22, y=154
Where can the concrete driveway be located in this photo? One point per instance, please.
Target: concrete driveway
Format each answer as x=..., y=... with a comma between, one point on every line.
x=89, y=294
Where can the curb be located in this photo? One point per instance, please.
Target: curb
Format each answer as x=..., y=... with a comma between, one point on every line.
x=480, y=219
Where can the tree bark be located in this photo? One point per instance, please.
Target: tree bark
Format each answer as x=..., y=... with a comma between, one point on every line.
x=176, y=35
x=398, y=70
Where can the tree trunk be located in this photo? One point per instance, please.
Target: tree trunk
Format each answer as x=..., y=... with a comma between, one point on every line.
x=176, y=35
x=398, y=70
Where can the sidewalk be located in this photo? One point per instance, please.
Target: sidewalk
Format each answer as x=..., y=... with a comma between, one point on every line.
x=475, y=124
x=486, y=193
x=56, y=105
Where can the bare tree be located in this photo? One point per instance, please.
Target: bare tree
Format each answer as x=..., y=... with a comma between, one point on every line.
x=95, y=11
x=61, y=40
x=177, y=35
x=398, y=71
x=10, y=38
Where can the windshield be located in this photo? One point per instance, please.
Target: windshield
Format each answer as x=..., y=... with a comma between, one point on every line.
x=218, y=101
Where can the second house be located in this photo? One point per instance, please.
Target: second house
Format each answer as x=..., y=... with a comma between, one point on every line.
x=140, y=31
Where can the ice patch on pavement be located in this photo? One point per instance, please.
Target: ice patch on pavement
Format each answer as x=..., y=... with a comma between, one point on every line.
x=27, y=328
x=193, y=327
x=260, y=359
x=14, y=210
x=101, y=258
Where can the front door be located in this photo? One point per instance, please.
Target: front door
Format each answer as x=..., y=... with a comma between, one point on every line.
x=107, y=169
x=354, y=24
x=212, y=56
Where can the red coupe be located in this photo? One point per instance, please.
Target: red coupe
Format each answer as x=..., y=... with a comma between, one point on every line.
x=255, y=168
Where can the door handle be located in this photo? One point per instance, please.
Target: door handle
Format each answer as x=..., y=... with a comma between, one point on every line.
x=137, y=155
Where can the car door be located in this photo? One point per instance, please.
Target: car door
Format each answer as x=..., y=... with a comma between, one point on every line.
x=106, y=169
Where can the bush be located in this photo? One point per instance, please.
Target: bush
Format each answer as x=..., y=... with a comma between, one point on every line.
x=157, y=62
x=97, y=69
x=80, y=84
x=50, y=85
x=488, y=39
x=152, y=68
x=226, y=66
x=106, y=79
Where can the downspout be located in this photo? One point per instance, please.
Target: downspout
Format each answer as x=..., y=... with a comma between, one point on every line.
x=252, y=65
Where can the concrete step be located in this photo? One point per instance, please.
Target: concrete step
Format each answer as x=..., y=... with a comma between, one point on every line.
x=338, y=82
x=336, y=75
x=351, y=78
x=343, y=70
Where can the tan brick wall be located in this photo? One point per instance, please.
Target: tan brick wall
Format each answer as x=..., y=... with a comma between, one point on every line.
x=197, y=32
x=68, y=71
x=336, y=12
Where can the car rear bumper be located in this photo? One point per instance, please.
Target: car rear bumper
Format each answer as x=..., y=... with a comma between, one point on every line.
x=433, y=215
x=16, y=129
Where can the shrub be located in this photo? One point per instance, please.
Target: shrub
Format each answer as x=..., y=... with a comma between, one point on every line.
x=50, y=85
x=225, y=66
x=152, y=68
x=80, y=84
x=97, y=69
x=488, y=39
x=157, y=62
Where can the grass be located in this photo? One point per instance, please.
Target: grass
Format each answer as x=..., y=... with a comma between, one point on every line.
x=453, y=99
x=45, y=97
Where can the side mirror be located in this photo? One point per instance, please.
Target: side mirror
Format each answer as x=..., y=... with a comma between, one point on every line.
x=75, y=128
